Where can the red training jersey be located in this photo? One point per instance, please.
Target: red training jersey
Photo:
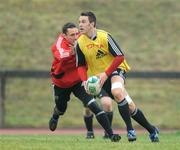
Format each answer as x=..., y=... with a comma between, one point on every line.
x=63, y=71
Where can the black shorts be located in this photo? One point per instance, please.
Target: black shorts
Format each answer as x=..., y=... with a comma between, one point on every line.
x=103, y=93
x=63, y=94
x=107, y=85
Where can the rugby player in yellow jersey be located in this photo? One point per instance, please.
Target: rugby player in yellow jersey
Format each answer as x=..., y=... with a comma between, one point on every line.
x=98, y=51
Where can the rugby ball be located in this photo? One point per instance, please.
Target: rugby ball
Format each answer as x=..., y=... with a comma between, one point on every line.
x=93, y=85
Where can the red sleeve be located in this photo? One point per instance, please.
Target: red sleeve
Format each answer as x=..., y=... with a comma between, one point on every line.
x=116, y=62
x=55, y=52
x=82, y=71
x=62, y=56
x=57, y=56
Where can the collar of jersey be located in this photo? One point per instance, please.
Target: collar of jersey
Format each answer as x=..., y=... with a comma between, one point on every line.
x=94, y=36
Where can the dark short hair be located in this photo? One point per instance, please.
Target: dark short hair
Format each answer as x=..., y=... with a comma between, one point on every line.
x=91, y=16
x=67, y=26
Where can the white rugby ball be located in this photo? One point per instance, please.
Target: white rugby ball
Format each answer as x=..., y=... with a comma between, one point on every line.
x=93, y=85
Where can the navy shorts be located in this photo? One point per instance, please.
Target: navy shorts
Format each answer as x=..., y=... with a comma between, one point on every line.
x=107, y=85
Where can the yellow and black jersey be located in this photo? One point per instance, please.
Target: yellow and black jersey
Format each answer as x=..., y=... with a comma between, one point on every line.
x=98, y=52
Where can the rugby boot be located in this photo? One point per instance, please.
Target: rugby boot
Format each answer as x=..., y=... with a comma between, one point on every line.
x=53, y=124
x=90, y=135
x=131, y=135
x=115, y=138
x=154, y=136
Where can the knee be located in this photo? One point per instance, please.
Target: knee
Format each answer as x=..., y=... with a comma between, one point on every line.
x=106, y=104
x=132, y=107
x=118, y=91
x=118, y=94
x=87, y=112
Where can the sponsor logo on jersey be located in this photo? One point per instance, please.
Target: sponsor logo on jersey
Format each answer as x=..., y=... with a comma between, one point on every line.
x=89, y=46
x=100, y=54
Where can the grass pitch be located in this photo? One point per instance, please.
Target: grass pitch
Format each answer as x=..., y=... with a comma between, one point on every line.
x=168, y=141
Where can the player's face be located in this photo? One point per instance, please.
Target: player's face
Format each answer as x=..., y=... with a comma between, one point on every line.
x=71, y=35
x=85, y=27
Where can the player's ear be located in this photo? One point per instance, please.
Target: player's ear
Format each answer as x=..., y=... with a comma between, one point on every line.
x=93, y=24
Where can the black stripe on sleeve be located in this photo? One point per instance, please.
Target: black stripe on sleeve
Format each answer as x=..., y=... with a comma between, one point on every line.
x=114, y=49
x=80, y=58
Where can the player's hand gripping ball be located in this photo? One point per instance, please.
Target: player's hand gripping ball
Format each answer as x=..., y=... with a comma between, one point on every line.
x=93, y=85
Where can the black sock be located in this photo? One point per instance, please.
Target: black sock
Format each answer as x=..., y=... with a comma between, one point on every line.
x=88, y=120
x=101, y=117
x=55, y=116
x=104, y=122
x=56, y=113
x=139, y=117
x=110, y=116
x=124, y=111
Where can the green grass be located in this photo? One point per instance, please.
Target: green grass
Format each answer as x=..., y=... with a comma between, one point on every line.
x=168, y=141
